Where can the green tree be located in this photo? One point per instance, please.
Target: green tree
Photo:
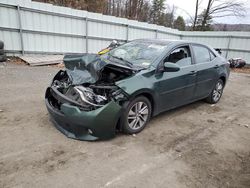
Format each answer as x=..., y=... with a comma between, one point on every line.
x=179, y=23
x=157, y=11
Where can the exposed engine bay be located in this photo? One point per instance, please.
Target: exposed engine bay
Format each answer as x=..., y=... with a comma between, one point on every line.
x=88, y=82
x=90, y=96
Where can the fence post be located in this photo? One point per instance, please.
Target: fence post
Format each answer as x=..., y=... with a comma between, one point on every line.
x=156, y=33
x=86, y=35
x=181, y=37
x=127, y=32
x=228, y=45
x=20, y=28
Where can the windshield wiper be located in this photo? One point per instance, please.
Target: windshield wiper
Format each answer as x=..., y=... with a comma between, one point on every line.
x=128, y=63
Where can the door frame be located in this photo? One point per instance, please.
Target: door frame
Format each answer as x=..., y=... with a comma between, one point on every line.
x=202, y=63
x=160, y=65
x=204, y=46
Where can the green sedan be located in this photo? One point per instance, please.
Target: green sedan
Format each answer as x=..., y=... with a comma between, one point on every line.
x=96, y=96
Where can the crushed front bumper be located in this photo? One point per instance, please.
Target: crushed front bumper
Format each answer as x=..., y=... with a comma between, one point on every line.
x=84, y=125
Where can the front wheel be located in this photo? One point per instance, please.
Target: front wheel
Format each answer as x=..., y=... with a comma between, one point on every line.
x=136, y=115
x=216, y=93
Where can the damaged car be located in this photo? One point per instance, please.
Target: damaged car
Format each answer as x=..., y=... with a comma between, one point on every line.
x=99, y=95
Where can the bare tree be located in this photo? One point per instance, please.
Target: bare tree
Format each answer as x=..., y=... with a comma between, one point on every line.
x=152, y=11
x=220, y=8
x=169, y=16
x=196, y=14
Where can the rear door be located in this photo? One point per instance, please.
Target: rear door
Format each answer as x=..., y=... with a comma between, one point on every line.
x=207, y=70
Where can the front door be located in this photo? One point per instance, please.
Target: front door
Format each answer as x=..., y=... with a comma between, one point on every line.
x=177, y=88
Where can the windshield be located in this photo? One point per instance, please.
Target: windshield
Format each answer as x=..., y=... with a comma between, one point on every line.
x=136, y=53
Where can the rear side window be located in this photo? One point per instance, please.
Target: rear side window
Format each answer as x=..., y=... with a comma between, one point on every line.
x=202, y=54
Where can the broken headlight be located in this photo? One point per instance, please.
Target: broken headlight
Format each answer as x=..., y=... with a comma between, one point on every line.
x=88, y=96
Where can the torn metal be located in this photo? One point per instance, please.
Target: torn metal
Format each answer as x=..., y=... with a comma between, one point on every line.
x=89, y=81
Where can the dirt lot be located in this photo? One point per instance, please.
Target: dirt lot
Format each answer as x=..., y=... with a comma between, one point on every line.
x=199, y=145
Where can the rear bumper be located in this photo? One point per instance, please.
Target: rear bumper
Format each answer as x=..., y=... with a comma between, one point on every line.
x=85, y=125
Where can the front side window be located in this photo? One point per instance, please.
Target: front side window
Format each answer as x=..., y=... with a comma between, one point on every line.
x=202, y=54
x=180, y=56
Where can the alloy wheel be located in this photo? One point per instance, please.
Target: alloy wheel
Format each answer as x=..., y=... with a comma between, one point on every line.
x=217, y=92
x=138, y=115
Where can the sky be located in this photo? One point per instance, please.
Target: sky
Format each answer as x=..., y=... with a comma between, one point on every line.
x=186, y=7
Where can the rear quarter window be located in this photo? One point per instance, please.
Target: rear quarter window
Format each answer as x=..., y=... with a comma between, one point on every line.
x=212, y=56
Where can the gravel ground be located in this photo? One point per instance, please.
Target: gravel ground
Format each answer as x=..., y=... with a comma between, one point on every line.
x=198, y=145
x=245, y=69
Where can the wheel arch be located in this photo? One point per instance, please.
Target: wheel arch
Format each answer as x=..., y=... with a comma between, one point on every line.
x=223, y=78
x=149, y=95
x=146, y=93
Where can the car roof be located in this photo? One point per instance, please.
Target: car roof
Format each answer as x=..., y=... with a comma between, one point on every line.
x=166, y=42
x=157, y=41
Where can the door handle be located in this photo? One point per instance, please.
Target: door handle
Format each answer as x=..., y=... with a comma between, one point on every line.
x=192, y=72
x=216, y=66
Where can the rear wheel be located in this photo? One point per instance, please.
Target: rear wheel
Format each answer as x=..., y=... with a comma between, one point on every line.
x=1, y=51
x=3, y=58
x=216, y=93
x=136, y=115
x=1, y=44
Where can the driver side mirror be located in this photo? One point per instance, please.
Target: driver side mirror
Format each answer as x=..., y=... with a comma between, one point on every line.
x=171, y=67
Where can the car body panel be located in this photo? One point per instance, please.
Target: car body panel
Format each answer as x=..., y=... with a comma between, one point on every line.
x=166, y=88
x=75, y=123
x=206, y=77
x=172, y=86
x=208, y=73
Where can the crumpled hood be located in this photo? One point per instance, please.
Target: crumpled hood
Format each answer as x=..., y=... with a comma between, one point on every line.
x=87, y=68
x=83, y=68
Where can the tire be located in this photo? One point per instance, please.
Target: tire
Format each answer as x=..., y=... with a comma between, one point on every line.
x=3, y=58
x=134, y=118
x=1, y=52
x=1, y=44
x=216, y=93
